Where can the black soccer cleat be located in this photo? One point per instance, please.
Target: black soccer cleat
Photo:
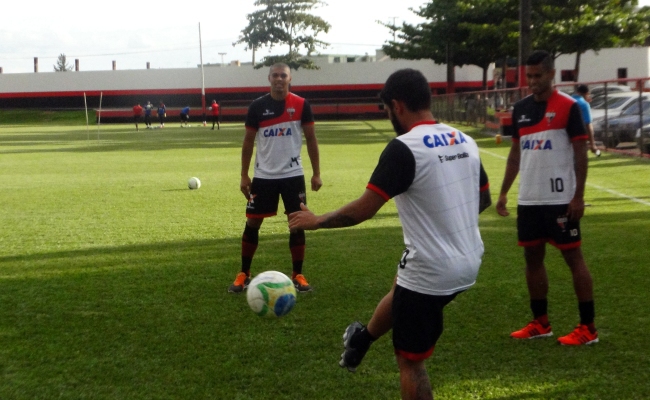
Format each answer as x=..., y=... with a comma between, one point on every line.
x=354, y=351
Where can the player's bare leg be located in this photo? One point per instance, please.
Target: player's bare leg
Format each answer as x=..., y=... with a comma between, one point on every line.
x=414, y=380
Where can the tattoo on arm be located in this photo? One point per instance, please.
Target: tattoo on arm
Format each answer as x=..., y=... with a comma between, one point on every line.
x=337, y=221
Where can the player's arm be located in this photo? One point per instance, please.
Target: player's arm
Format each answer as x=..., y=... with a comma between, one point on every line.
x=485, y=200
x=576, y=208
x=314, y=156
x=246, y=156
x=353, y=213
x=512, y=169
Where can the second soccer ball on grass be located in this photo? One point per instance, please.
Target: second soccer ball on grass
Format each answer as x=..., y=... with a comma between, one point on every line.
x=194, y=183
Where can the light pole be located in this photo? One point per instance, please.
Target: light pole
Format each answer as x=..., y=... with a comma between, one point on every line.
x=222, y=54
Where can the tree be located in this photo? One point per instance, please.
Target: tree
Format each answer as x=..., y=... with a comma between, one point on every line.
x=61, y=64
x=577, y=26
x=458, y=33
x=285, y=22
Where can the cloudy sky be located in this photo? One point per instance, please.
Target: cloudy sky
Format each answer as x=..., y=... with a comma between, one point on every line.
x=166, y=33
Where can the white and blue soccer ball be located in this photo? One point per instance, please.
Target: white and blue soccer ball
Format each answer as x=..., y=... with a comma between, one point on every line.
x=194, y=183
x=271, y=294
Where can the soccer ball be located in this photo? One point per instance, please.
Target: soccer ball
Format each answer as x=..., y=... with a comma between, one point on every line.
x=271, y=294
x=194, y=183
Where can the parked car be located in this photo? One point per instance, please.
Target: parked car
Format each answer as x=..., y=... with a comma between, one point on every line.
x=625, y=127
x=610, y=89
x=615, y=104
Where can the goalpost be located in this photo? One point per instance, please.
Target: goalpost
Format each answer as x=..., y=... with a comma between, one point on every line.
x=202, y=76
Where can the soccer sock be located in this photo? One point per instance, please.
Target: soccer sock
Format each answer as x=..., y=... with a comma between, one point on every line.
x=249, y=242
x=587, y=314
x=540, y=310
x=297, y=247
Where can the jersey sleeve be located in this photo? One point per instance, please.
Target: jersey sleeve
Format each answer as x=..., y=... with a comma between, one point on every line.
x=394, y=172
x=575, y=126
x=307, y=115
x=252, y=120
x=515, y=125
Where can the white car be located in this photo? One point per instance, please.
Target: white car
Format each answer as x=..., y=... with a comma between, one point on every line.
x=616, y=103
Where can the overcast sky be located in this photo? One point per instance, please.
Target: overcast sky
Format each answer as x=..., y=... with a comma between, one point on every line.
x=166, y=33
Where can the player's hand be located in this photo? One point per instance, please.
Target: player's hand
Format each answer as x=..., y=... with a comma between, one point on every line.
x=316, y=183
x=245, y=186
x=303, y=220
x=501, y=205
x=576, y=209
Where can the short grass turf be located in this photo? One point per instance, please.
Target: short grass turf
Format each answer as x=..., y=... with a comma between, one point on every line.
x=113, y=276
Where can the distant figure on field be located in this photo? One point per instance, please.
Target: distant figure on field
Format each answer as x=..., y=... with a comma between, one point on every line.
x=216, y=110
x=162, y=113
x=185, y=116
x=583, y=97
x=137, y=113
x=147, y=114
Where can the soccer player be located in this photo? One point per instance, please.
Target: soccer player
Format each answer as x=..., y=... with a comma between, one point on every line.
x=147, y=114
x=162, y=113
x=277, y=121
x=549, y=152
x=435, y=175
x=215, y=114
x=583, y=98
x=185, y=116
x=137, y=113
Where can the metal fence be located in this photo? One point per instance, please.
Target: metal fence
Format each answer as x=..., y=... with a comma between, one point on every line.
x=620, y=111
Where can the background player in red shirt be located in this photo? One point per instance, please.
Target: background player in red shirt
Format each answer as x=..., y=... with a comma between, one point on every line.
x=137, y=113
x=216, y=110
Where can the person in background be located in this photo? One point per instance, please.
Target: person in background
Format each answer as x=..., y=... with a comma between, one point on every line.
x=185, y=116
x=137, y=114
x=583, y=97
x=216, y=110
x=147, y=114
x=162, y=113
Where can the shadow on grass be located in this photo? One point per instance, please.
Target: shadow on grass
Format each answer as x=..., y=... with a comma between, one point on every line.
x=154, y=321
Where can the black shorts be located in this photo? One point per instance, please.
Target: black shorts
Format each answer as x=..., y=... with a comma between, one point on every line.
x=136, y=118
x=547, y=223
x=185, y=117
x=417, y=322
x=265, y=195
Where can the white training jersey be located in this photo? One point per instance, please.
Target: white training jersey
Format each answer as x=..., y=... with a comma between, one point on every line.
x=279, y=135
x=435, y=175
x=545, y=132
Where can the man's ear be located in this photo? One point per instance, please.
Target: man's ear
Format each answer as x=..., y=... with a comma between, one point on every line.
x=398, y=106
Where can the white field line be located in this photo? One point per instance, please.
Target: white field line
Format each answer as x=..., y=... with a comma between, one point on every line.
x=604, y=189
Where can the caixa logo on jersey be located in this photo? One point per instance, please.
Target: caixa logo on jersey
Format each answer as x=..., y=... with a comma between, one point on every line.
x=272, y=132
x=445, y=139
x=535, y=144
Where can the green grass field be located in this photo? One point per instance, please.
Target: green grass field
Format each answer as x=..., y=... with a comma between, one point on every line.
x=113, y=277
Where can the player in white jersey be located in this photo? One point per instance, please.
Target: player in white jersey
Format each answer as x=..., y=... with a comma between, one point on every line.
x=549, y=154
x=277, y=122
x=434, y=173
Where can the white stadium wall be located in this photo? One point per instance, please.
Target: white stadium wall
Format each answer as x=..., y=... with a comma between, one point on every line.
x=231, y=77
x=604, y=64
